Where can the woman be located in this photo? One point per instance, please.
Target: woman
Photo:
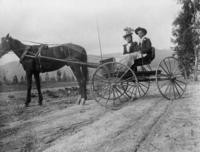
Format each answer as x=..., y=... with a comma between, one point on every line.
x=130, y=52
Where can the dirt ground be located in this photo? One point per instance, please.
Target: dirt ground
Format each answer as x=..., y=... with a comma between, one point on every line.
x=149, y=124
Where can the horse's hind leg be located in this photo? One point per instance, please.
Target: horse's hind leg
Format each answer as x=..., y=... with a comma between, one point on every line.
x=37, y=82
x=77, y=72
x=84, y=82
x=29, y=85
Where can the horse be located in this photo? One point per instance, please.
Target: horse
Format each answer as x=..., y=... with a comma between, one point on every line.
x=37, y=65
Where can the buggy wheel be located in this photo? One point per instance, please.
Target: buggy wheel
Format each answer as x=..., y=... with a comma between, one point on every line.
x=171, y=78
x=112, y=84
x=143, y=82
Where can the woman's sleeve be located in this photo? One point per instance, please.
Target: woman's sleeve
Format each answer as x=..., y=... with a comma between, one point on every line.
x=125, y=49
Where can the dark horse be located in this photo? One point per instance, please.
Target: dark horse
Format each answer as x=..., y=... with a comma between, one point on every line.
x=34, y=66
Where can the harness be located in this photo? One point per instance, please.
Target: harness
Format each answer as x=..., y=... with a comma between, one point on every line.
x=37, y=55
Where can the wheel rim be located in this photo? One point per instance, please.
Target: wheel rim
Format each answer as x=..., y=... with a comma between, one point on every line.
x=110, y=85
x=171, y=78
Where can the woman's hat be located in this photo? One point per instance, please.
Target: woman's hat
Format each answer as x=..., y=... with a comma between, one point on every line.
x=140, y=29
x=128, y=31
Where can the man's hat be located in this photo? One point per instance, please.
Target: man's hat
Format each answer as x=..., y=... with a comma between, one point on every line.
x=140, y=29
x=128, y=31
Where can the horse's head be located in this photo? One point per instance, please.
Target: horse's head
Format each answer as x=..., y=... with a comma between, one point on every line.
x=8, y=44
x=5, y=46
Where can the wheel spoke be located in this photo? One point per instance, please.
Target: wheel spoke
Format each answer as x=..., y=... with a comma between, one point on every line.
x=101, y=81
x=164, y=75
x=166, y=66
x=124, y=74
x=124, y=80
x=100, y=77
x=170, y=90
x=142, y=89
x=179, y=86
x=144, y=85
x=118, y=94
x=175, y=69
x=177, y=89
x=167, y=88
x=178, y=74
x=113, y=94
x=164, y=84
x=133, y=88
x=118, y=90
x=174, y=92
x=170, y=68
x=164, y=69
x=109, y=95
x=138, y=91
x=181, y=81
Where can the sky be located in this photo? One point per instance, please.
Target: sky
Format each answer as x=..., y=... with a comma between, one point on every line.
x=63, y=21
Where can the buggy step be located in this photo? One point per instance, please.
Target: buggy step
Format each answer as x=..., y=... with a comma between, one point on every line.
x=146, y=73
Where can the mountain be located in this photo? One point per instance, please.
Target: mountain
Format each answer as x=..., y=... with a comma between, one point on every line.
x=15, y=68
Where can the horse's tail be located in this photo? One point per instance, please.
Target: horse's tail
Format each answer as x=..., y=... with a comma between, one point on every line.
x=85, y=67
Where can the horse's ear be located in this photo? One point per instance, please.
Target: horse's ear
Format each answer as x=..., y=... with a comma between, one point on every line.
x=7, y=36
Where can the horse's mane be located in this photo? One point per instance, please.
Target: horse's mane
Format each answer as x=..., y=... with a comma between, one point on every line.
x=17, y=42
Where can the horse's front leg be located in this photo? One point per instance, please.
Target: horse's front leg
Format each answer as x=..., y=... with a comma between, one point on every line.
x=29, y=85
x=37, y=82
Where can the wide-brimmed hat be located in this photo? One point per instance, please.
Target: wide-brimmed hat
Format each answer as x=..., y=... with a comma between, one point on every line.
x=128, y=32
x=140, y=29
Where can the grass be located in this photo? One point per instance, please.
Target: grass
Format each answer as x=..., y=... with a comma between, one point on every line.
x=21, y=87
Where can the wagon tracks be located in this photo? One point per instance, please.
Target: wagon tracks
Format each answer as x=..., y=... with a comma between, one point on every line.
x=63, y=131
x=156, y=121
x=136, y=131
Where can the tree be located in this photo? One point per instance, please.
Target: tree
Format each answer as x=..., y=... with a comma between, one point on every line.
x=47, y=76
x=58, y=75
x=22, y=79
x=197, y=37
x=5, y=79
x=184, y=35
x=15, y=80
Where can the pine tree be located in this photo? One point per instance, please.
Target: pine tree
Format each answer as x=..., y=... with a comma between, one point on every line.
x=15, y=79
x=184, y=35
x=197, y=36
x=59, y=75
x=5, y=79
x=22, y=79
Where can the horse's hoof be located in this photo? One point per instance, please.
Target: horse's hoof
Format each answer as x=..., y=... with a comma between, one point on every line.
x=83, y=101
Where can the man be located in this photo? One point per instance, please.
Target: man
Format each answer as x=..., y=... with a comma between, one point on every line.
x=144, y=48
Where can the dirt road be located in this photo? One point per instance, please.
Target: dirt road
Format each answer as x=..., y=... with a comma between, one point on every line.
x=148, y=124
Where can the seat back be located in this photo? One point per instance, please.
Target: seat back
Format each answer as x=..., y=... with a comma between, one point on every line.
x=153, y=53
x=151, y=56
x=110, y=67
x=107, y=60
